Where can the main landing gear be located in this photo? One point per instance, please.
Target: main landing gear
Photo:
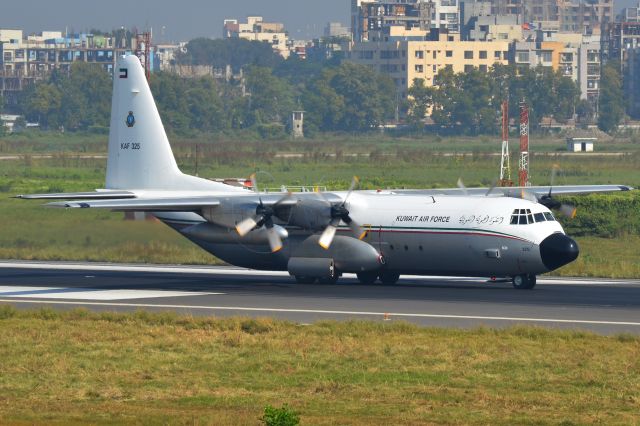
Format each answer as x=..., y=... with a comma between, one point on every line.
x=524, y=282
x=385, y=277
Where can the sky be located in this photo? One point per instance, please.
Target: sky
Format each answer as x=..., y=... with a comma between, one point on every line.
x=171, y=20
x=178, y=20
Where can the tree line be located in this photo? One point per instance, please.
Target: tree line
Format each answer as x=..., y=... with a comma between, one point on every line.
x=336, y=96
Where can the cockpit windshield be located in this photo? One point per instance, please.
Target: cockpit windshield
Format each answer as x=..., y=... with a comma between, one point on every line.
x=525, y=217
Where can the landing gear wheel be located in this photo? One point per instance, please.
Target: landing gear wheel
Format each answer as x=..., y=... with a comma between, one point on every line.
x=524, y=282
x=304, y=280
x=389, y=278
x=367, y=277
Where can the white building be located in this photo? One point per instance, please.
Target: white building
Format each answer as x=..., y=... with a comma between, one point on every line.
x=255, y=29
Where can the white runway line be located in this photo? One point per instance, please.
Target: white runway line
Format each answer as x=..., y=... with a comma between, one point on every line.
x=391, y=315
x=20, y=292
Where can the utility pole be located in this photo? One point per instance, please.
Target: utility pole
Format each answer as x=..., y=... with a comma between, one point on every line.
x=523, y=169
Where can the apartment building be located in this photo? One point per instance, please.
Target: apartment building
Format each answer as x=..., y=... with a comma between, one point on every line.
x=575, y=55
x=405, y=61
x=255, y=29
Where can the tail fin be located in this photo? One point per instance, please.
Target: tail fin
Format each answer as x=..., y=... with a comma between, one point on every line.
x=140, y=156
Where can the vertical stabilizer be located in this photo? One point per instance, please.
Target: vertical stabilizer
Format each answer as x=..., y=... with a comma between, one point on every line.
x=140, y=156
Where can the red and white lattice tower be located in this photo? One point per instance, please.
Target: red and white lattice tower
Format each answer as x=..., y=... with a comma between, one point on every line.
x=523, y=169
x=143, y=51
x=505, y=162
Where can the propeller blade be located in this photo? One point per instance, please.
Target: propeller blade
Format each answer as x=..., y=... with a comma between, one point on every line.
x=526, y=195
x=568, y=210
x=357, y=230
x=494, y=183
x=254, y=183
x=354, y=182
x=274, y=240
x=244, y=227
x=461, y=186
x=327, y=237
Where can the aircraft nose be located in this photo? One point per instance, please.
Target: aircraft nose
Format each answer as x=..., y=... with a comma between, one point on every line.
x=557, y=250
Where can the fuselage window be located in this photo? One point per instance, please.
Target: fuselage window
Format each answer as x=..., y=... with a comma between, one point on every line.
x=539, y=217
x=523, y=220
x=514, y=219
x=549, y=216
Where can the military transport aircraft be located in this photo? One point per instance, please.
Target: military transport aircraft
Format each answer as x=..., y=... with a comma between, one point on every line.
x=378, y=235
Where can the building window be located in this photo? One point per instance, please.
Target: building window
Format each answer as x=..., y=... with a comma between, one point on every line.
x=434, y=68
x=546, y=56
x=468, y=68
x=419, y=68
x=496, y=54
x=7, y=56
x=523, y=56
x=468, y=54
x=483, y=68
x=419, y=54
x=435, y=54
x=448, y=53
x=483, y=54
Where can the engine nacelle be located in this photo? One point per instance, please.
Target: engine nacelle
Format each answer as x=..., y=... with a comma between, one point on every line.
x=311, y=267
x=348, y=254
x=221, y=235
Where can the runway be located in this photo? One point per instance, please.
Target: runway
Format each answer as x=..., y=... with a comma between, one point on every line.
x=603, y=306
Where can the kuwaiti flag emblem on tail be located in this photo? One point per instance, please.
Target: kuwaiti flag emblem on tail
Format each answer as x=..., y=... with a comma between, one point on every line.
x=124, y=73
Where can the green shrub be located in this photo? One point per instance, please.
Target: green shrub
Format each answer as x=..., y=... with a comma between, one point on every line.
x=284, y=416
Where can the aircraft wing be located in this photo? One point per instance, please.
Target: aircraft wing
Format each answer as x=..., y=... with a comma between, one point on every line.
x=142, y=205
x=517, y=191
x=96, y=195
x=168, y=204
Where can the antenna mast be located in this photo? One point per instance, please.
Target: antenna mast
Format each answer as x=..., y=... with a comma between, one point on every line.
x=143, y=51
x=505, y=164
x=523, y=172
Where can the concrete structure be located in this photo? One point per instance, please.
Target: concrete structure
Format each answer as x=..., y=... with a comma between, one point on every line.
x=337, y=29
x=575, y=55
x=405, y=61
x=580, y=144
x=630, y=14
x=495, y=28
x=632, y=82
x=255, y=29
x=297, y=124
x=374, y=15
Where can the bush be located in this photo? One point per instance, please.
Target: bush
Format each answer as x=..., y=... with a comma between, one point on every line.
x=284, y=416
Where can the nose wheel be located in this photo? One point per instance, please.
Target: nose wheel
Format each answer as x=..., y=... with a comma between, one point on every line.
x=524, y=282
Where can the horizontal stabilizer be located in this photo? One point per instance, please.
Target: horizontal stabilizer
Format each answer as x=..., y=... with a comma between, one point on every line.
x=143, y=205
x=97, y=195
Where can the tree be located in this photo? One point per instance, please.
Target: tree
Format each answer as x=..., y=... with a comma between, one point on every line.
x=420, y=100
x=42, y=103
x=271, y=98
x=567, y=96
x=611, y=102
x=238, y=53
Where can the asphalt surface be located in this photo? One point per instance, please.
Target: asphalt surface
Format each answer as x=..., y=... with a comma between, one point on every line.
x=603, y=306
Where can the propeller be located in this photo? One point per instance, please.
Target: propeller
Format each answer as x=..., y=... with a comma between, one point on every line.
x=461, y=186
x=263, y=217
x=551, y=203
x=340, y=213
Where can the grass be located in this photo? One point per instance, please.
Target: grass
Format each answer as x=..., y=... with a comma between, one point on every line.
x=31, y=232
x=105, y=368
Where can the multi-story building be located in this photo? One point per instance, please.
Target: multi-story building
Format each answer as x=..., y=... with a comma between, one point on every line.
x=255, y=29
x=405, y=61
x=575, y=55
x=374, y=15
x=495, y=27
x=632, y=83
x=336, y=29
x=630, y=14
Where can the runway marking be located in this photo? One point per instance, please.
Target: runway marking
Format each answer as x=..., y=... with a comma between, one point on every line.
x=327, y=312
x=90, y=293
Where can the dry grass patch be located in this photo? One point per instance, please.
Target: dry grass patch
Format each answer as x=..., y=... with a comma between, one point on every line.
x=83, y=367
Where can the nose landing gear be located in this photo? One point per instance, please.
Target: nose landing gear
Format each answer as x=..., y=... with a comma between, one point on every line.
x=524, y=282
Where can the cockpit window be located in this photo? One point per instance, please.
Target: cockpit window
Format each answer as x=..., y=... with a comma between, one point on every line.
x=525, y=217
x=549, y=216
